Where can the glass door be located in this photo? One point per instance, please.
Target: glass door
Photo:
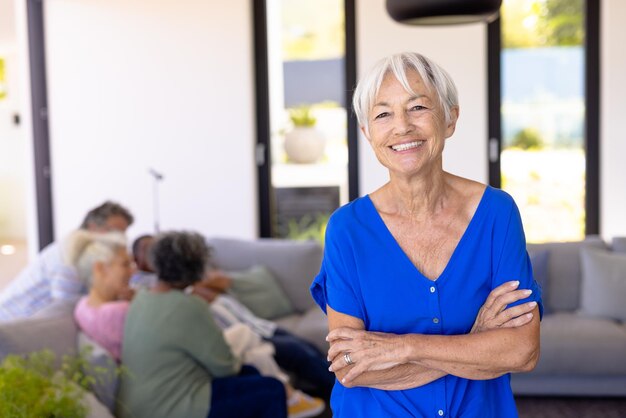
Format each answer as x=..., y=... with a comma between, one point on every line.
x=543, y=115
x=308, y=152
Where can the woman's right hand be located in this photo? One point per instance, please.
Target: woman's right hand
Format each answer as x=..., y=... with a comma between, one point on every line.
x=217, y=281
x=495, y=314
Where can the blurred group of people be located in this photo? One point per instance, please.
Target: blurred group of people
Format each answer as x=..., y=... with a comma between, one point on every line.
x=190, y=348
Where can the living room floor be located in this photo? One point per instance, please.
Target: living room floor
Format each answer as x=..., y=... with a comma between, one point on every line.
x=538, y=407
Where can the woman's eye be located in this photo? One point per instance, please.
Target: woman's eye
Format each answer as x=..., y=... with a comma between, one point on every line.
x=381, y=115
x=418, y=107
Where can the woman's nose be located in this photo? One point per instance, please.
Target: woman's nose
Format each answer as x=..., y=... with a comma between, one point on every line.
x=402, y=124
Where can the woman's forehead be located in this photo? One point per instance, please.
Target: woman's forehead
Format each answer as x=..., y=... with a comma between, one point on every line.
x=414, y=85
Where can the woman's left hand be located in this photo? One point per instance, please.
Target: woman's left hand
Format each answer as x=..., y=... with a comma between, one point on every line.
x=367, y=351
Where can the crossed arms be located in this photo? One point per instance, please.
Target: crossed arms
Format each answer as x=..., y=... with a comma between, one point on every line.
x=502, y=340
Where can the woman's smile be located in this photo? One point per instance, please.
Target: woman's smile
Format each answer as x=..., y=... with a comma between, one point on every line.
x=407, y=146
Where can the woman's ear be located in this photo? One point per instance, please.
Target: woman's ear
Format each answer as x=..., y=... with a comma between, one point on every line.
x=98, y=269
x=365, y=132
x=451, y=125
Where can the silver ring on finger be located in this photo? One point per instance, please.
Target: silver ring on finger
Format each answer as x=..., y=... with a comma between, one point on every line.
x=348, y=359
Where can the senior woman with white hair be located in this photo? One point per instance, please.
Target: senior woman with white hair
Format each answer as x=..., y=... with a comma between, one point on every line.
x=426, y=282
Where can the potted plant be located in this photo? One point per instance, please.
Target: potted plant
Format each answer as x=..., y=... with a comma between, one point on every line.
x=33, y=386
x=304, y=144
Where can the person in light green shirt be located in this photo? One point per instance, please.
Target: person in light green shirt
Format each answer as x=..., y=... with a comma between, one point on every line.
x=178, y=363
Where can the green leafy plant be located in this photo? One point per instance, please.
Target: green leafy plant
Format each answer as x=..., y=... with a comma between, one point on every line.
x=302, y=116
x=527, y=138
x=308, y=227
x=31, y=386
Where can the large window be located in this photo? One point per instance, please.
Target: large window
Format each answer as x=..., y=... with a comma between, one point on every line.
x=543, y=113
x=305, y=169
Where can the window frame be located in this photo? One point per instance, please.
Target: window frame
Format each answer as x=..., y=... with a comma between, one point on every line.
x=41, y=132
x=262, y=147
x=592, y=111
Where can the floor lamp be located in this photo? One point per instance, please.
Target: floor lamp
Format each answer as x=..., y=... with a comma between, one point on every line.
x=156, y=179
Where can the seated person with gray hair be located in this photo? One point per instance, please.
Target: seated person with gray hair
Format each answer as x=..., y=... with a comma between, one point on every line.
x=49, y=278
x=103, y=263
x=178, y=362
x=292, y=353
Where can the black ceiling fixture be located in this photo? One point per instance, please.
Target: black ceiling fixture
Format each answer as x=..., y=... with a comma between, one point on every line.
x=443, y=12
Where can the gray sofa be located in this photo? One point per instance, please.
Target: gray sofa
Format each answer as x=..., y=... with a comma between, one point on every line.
x=292, y=263
x=580, y=355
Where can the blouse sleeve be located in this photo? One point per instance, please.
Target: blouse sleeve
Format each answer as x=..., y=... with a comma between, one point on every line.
x=336, y=285
x=511, y=260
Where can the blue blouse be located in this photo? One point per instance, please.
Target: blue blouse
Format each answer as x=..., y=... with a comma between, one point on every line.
x=366, y=274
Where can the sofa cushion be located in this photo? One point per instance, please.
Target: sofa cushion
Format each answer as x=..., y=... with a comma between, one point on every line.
x=311, y=326
x=96, y=408
x=259, y=291
x=56, y=308
x=293, y=263
x=289, y=322
x=57, y=333
x=603, y=291
x=619, y=244
x=564, y=271
x=539, y=261
x=575, y=345
x=102, y=369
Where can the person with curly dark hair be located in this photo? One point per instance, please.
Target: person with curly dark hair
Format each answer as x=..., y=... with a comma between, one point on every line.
x=178, y=362
x=296, y=356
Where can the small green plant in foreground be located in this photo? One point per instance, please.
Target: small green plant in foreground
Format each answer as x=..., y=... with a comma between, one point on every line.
x=31, y=386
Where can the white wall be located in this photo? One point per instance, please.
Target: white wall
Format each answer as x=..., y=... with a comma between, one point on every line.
x=13, y=157
x=123, y=99
x=165, y=84
x=461, y=50
x=7, y=21
x=612, y=110
x=17, y=191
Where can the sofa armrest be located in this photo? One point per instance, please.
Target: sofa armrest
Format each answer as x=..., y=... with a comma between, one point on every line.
x=57, y=333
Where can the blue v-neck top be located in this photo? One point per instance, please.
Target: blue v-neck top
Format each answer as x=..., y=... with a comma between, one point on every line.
x=366, y=274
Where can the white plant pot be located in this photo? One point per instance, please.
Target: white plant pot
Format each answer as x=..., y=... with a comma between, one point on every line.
x=304, y=145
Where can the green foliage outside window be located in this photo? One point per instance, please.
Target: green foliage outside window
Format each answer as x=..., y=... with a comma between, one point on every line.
x=309, y=227
x=540, y=23
x=3, y=91
x=527, y=139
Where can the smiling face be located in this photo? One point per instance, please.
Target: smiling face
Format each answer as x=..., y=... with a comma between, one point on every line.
x=116, y=274
x=408, y=131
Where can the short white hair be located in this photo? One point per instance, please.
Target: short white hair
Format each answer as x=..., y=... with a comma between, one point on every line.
x=84, y=248
x=433, y=75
